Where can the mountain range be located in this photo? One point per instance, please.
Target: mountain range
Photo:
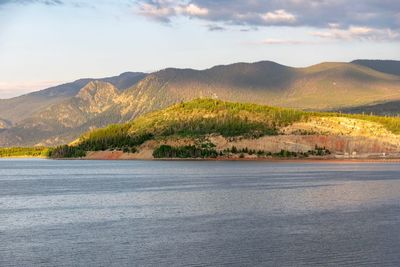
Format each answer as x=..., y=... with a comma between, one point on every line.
x=60, y=114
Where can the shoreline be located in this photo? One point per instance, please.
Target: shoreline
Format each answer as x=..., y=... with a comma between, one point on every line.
x=281, y=160
x=25, y=157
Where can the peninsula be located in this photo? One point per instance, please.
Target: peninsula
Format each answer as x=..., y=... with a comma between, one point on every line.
x=214, y=129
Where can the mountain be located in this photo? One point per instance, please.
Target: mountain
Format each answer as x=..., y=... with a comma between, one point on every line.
x=214, y=128
x=318, y=87
x=19, y=108
x=124, y=80
x=59, y=122
x=385, y=66
x=325, y=86
x=391, y=108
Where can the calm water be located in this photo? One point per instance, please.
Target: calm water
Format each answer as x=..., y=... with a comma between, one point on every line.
x=133, y=213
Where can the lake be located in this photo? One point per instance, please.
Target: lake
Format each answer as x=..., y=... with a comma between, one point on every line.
x=204, y=213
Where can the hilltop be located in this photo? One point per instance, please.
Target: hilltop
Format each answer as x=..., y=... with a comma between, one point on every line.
x=213, y=128
x=61, y=114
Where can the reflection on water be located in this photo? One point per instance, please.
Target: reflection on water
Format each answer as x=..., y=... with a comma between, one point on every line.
x=124, y=213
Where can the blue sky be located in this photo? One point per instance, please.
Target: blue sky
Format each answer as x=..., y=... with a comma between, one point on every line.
x=46, y=42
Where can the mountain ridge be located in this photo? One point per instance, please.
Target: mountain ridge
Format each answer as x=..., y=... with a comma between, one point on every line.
x=385, y=66
x=325, y=86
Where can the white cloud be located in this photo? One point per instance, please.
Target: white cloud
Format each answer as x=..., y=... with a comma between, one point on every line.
x=192, y=10
x=357, y=33
x=156, y=12
x=317, y=14
x=279, y=16
x=163, y=10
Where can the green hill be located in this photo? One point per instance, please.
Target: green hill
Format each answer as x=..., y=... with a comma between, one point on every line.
x=198, y=119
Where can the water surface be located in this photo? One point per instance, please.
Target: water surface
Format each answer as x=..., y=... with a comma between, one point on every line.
x=150, y=213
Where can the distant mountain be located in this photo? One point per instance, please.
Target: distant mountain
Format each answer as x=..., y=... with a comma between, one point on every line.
x=391, y=108
x=318, y=87
x=19, y=108
x=385, y=66
x=59, y=122
x=64, y=114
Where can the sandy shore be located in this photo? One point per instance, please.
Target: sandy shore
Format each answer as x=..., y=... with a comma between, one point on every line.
x=119, y=155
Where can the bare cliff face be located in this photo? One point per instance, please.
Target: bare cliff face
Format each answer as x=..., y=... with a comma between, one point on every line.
x=96, y=97
x=23, y=107
x=90, y=101
x=340, y=135
x=339, y=145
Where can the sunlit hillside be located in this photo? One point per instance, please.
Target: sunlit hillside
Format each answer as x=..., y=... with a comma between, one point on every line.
x=225, y=122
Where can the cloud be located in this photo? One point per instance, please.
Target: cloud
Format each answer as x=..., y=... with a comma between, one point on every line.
x=25, y=2
x=272, y=41
x=215, y=28
x=164, y=10
x=357, y=33
x=279, y=16
x=156, y=11
x=323, y=15
x=191, y=10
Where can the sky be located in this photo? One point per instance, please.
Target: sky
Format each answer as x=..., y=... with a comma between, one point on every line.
x=48, y=42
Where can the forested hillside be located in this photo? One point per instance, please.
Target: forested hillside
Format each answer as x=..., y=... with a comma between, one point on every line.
x=200, y=118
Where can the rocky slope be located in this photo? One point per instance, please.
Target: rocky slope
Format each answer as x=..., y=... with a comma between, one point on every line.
x=19, y=108
x=58, y=123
